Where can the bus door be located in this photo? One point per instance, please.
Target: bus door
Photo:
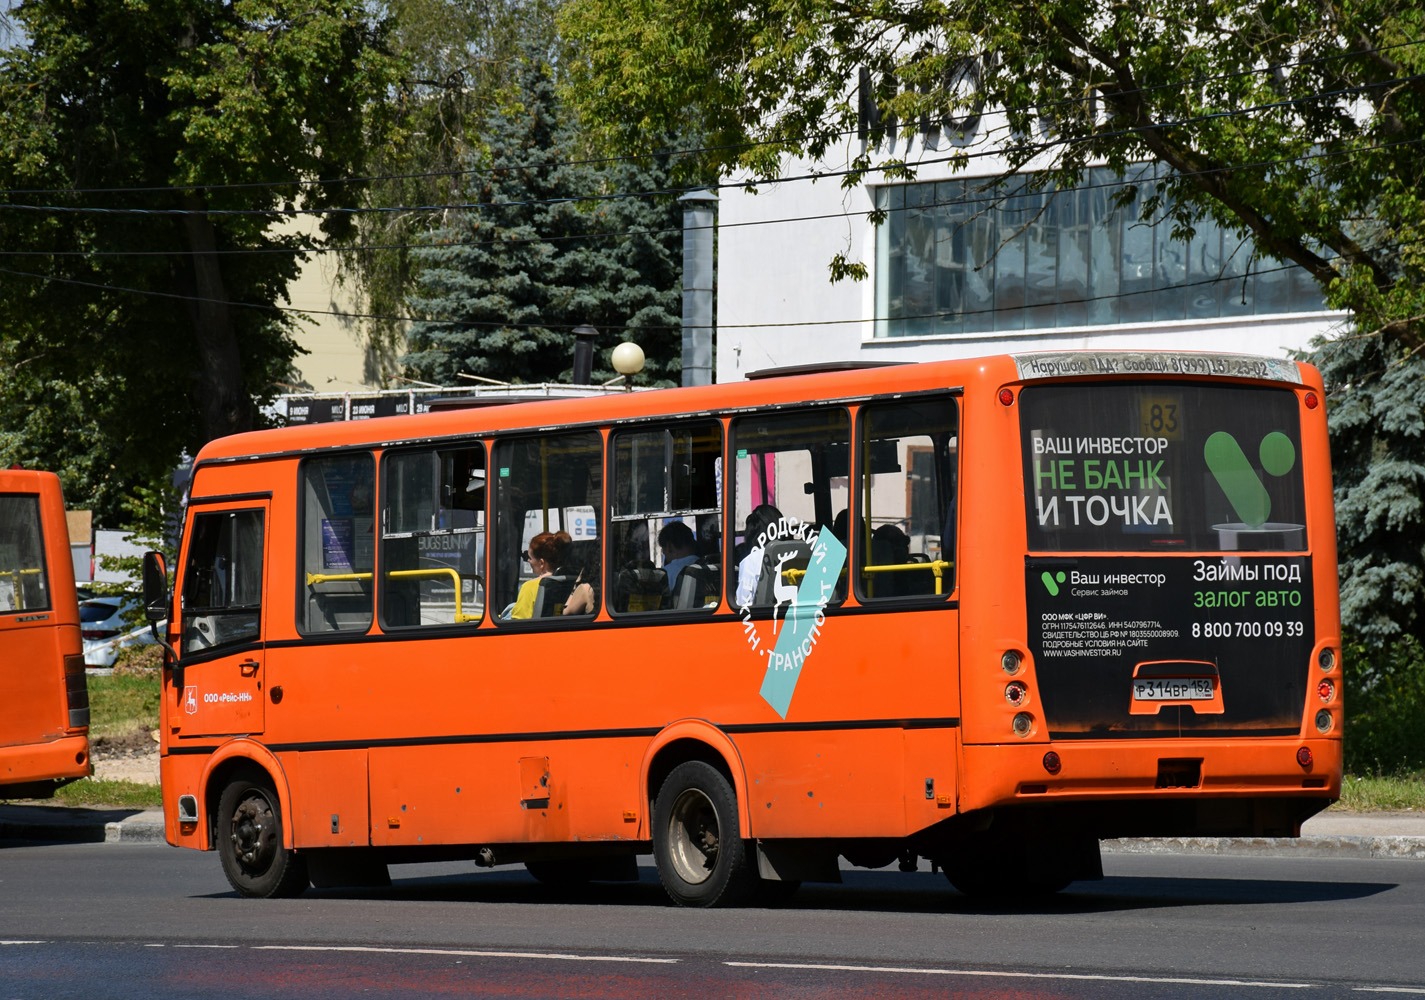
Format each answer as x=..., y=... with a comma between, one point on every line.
x=218, y=688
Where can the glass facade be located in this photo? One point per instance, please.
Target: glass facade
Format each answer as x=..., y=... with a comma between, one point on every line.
x=952, y=259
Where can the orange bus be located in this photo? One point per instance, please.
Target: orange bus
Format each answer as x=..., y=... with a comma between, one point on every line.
x=983, y=613
x=44, y=727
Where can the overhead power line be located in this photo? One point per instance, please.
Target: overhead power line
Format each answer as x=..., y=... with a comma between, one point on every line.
x=1193, y=82
x=500, y=324
x=986, y=200
x=1032, y=149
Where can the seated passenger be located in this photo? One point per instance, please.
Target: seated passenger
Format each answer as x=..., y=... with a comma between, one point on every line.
x=582, y=599
x=890, y=546
x=749, y=568
x=546, y=552
x=679, y=547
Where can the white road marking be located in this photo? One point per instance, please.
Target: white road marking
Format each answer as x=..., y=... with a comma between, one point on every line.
x=223, y=946
x=987, y=974
x=549, y=956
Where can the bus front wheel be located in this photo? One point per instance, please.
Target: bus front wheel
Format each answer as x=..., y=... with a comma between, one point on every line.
x=249, y=839
x=701, y=856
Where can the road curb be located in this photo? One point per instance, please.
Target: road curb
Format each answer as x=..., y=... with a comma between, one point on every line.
x=51, y=824
x=1411, y=848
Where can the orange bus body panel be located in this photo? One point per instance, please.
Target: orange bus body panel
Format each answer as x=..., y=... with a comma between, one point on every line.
x=557, y=736
x=37, y=741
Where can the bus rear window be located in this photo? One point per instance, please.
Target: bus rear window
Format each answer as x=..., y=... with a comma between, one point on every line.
x=1162, y=467
x=24, y=585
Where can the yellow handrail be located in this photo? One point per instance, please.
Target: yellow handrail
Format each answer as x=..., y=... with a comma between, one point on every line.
x=15, y=575
x=316, y=578
x=936, y=566
x=460, y=615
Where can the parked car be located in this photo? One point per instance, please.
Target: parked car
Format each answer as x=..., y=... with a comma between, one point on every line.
x=105, y=624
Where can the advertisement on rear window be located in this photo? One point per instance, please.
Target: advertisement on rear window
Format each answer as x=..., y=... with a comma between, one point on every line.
x=1162, y=467
x=1154, y=645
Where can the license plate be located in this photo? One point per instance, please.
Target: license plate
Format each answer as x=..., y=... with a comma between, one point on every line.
x=1172, y=689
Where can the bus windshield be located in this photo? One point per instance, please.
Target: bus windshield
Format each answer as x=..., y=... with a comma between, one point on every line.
x=1152, y=467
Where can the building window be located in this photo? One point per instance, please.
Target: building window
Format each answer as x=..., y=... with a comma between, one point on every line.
x=952, y=259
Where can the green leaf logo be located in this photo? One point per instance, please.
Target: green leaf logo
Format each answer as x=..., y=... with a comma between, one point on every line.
x=1229, y=465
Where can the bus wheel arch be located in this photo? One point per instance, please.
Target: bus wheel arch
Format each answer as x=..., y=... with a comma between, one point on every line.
x=694, y=739
x=231, y=761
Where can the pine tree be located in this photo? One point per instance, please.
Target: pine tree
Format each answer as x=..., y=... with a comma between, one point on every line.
x=552, y=243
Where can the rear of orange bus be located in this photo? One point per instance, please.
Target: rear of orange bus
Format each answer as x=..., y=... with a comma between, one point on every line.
x=44, y=728
x=1152, y=642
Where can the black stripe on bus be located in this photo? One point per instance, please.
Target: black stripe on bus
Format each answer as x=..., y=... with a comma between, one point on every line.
x=650, y=619
x=433, y=633
x=231, y=498
x=575, y=734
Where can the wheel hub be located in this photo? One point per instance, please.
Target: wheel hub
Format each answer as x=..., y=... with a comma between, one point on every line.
x=252, y=834
x=693, y=836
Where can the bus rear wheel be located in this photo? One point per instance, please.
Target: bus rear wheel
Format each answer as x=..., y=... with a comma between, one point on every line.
x=702, y=859
x=249, y=839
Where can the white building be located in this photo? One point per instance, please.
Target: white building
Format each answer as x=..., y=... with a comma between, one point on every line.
x=1081, y=274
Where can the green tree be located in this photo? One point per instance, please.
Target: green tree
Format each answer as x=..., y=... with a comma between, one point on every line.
x=457, y=58
x=1298, y=127
x=146, y=155
x=550, y=243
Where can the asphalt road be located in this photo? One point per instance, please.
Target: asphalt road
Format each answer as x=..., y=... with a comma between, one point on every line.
x=152, y=921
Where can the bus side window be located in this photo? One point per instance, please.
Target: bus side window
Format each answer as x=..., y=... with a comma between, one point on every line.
x=549, y=495
x=905, y=539
x=666, y=518
x=338, y=545
x=222, y=583
x=790, y=476
x=433, y=537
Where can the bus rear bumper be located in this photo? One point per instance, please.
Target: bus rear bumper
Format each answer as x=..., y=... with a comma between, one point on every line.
x=65, y=758
x=1163, y=788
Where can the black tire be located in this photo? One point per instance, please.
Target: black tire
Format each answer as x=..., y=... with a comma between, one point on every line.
x=249, y=835
x=701, y=856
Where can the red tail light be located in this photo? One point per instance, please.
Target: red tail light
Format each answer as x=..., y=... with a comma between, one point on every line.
x=76, y=692
x=1303, y=756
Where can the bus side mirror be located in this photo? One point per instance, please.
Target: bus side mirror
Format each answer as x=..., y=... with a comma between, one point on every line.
x=155, y=587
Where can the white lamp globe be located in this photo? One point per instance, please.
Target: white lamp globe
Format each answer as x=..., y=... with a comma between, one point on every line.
x=627, y=358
